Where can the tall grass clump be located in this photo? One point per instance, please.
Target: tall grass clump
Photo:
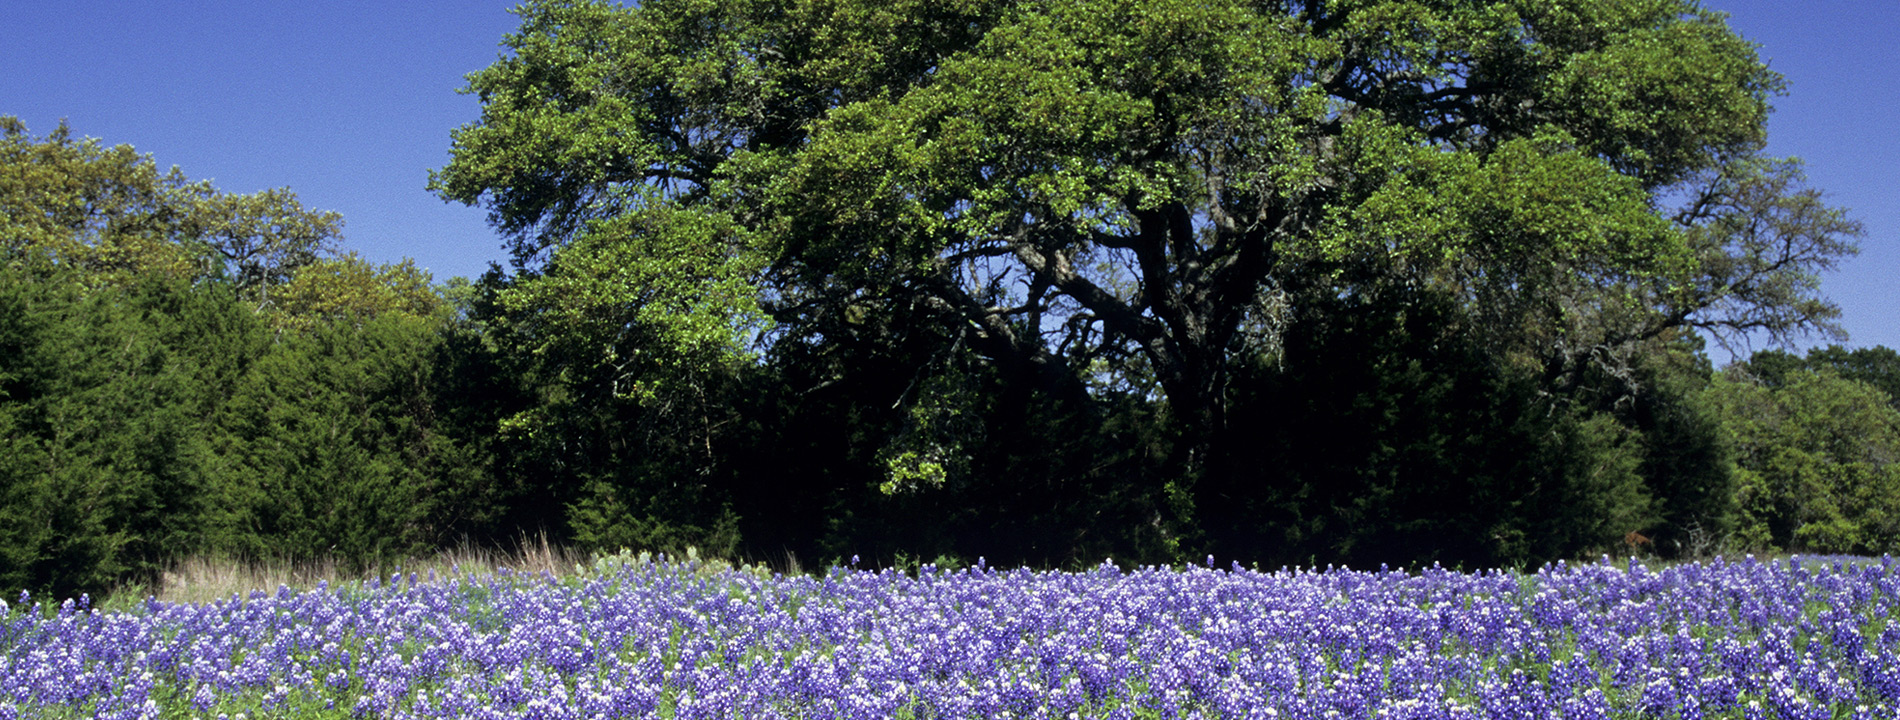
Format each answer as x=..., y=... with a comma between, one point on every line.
x=205, y=578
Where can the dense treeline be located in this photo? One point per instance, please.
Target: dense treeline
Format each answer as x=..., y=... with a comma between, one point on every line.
x=184, y=371
x=1149, y=280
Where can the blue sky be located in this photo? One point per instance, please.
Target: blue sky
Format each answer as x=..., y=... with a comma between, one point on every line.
x=350, y=104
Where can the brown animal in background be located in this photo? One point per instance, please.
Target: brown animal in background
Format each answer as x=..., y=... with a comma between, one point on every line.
x=1636, y=540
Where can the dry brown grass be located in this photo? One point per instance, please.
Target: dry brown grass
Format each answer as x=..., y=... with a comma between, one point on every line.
x=208, y=578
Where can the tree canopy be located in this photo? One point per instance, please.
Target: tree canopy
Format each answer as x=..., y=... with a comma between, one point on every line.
x=185, y=371
x=1043, y=281
x=1111, y=195
x=112, y=214
x=1818, y=460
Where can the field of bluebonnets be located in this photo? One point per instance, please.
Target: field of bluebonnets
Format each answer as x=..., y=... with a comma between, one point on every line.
x=636, y=638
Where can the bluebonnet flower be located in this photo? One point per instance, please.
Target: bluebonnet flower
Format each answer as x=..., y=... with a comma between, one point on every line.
x=639, y=639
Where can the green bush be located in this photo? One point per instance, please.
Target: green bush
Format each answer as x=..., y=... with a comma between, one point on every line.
x=1815, y=460
x=106, y=400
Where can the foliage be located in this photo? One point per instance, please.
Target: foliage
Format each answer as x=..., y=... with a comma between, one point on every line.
x=106, y=408
x=1042, y=281
x=561, y=450
x=1817, y=461
x=1762, y=238
x=111, y=213
x=331, y=447
x=1877, y=366
x=349, y=289
x=162, y=419
x=185, y=371
x=1386, y=437
x=1091, y=197
x=1687, y=461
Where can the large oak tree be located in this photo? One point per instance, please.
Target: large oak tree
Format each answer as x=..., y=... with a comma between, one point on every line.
x=1131, y=194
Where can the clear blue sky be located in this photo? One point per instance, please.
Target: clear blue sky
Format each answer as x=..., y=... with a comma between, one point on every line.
x=350, y=104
